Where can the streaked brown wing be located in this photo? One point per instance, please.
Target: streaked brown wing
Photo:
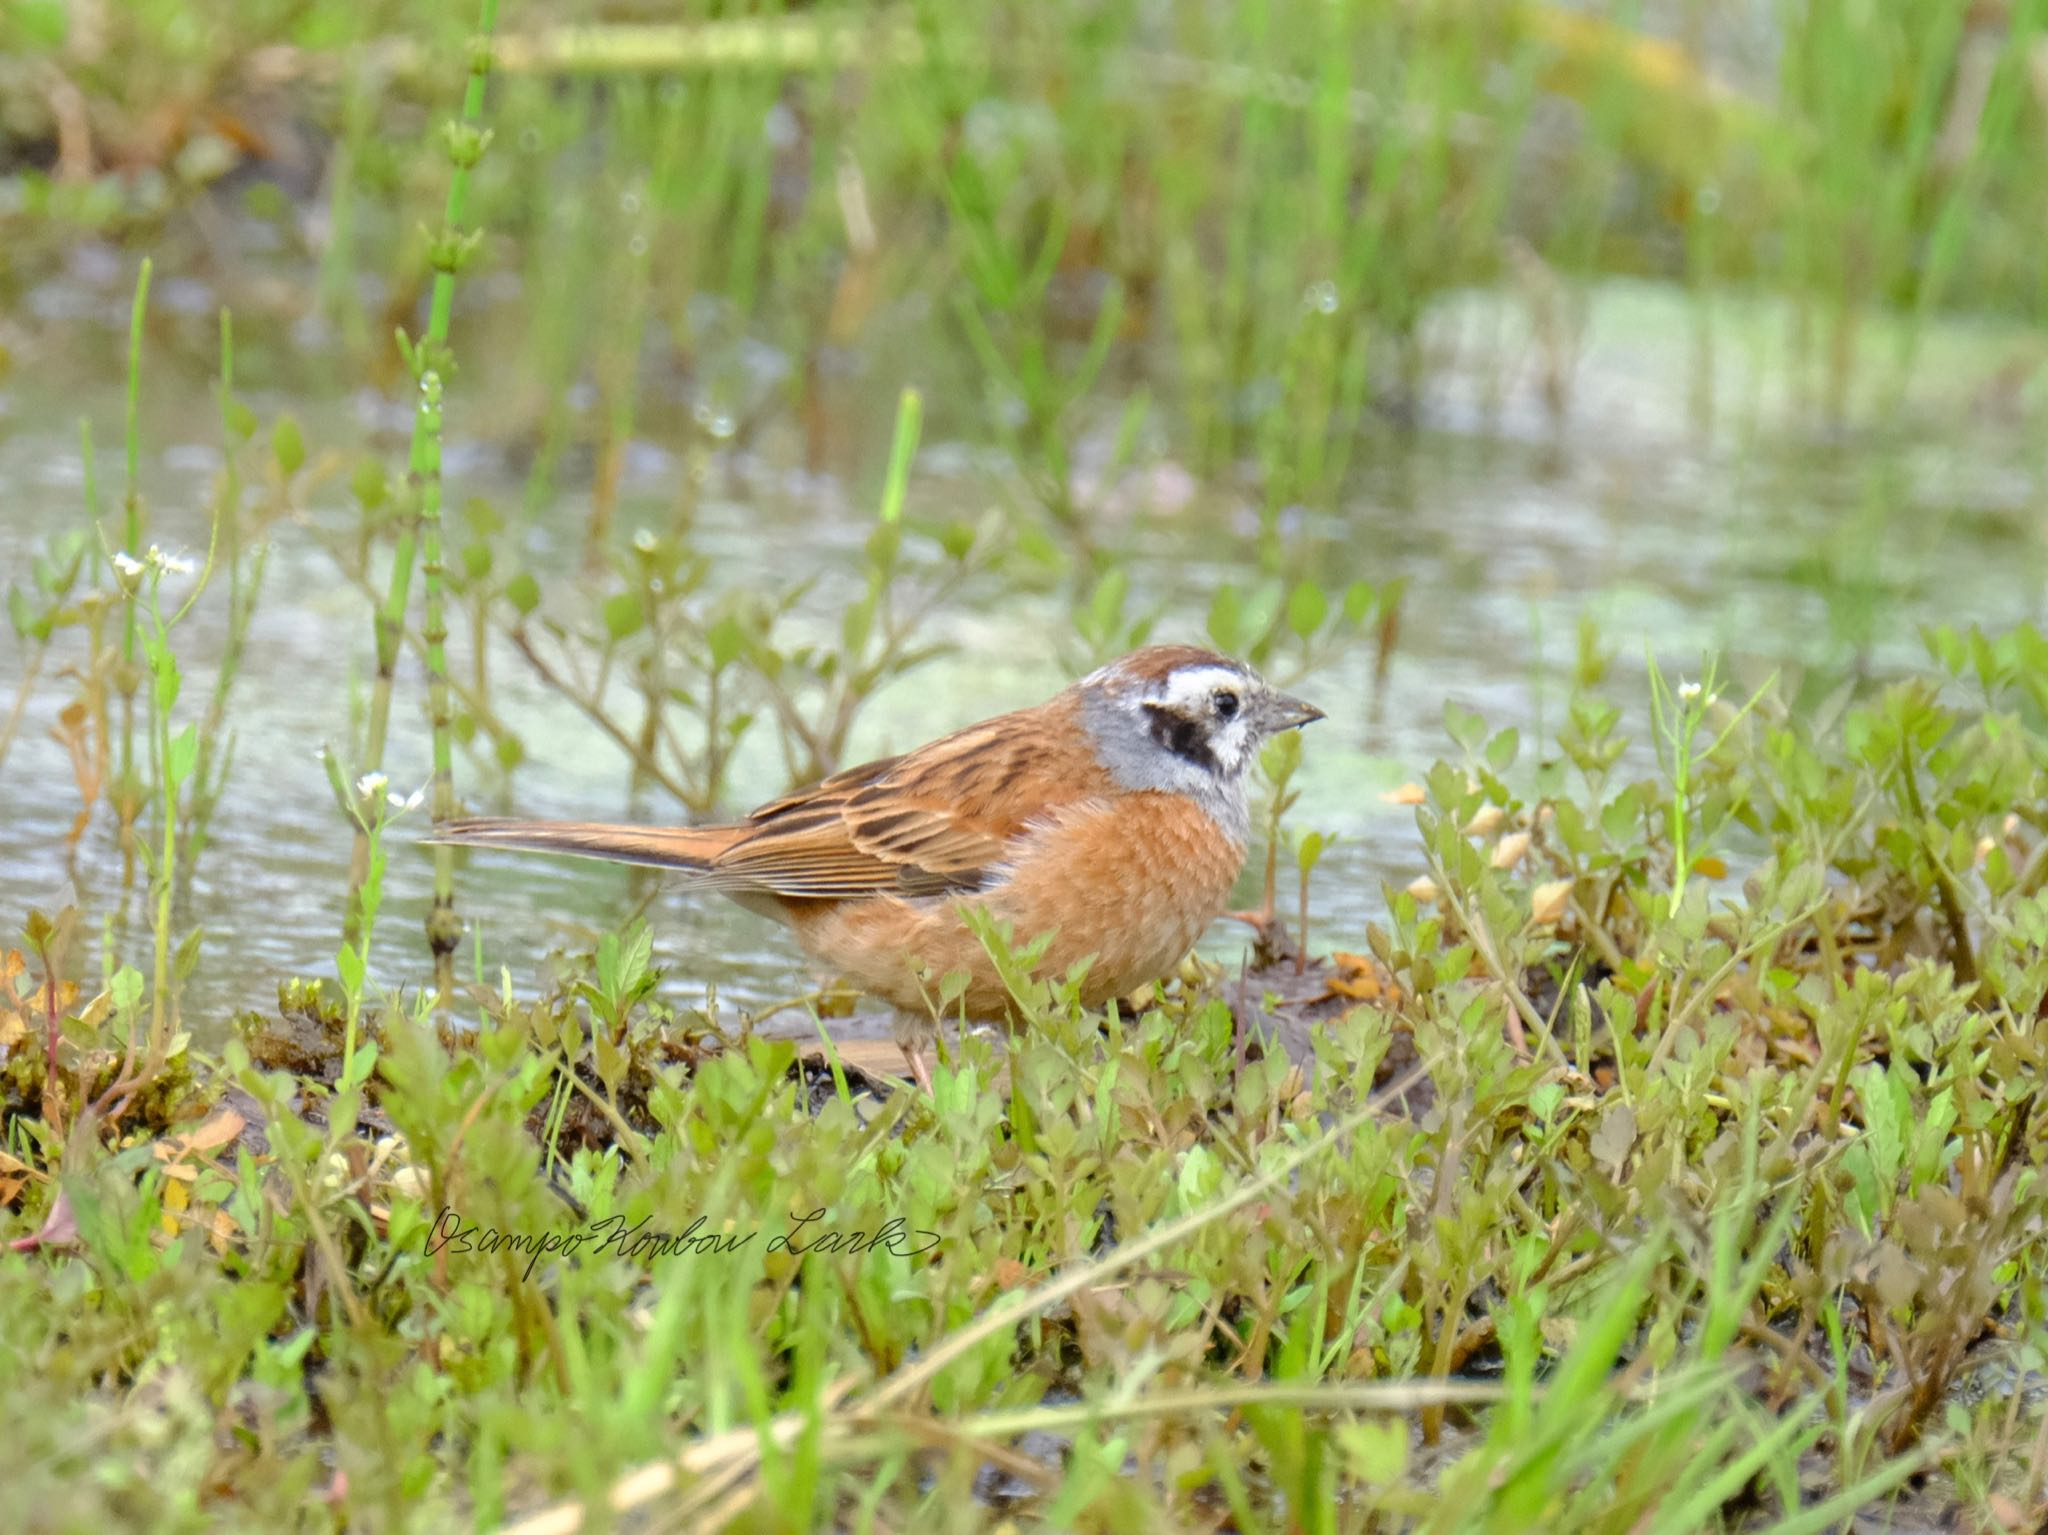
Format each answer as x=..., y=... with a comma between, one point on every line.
x=937, y=820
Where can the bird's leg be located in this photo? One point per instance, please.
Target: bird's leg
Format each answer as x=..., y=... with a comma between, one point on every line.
x=1261, y=918
x=912, y=1035
x=1271, y=942
x=920, y=1073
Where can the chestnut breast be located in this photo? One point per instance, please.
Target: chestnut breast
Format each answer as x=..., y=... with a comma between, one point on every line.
x=1130, y=879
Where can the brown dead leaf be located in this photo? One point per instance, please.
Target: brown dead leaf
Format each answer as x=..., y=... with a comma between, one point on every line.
x=1407, y=794
x=217, y=1131
x=1485, y=821
x=1511, y=850
x=1548, y=900
x=94, y=1013
x=175, y=1154
x=14, y=1174
x=1360, y=978
x=1009, y=1274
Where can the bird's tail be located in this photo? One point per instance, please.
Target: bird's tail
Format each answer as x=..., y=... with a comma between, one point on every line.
x=692, y=848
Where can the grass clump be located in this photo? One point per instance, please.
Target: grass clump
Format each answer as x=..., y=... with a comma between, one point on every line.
x=1742, y=1235
x=1251, y=221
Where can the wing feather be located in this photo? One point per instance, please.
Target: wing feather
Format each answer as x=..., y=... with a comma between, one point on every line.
x=940, y=819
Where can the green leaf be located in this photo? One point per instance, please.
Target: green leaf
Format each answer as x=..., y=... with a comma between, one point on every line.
x=1106, y=604
x=1226, y=619
x=368, y=483
x=165, y=666
x=1279, y=757
x=1375, y=1451
x=883, y=545
x=1307, y=607
x=858, y=624
x=482, y=517
x=348, y=964
x=523, y=592
x=186, y=959
x=635, y=957
x=126, y=988
x=1501, y=750
x=957, y=539
x=42, y=25
x=902, y=448
x=727, y=640
x=1621, y=817
x=1465, y=727
x=288, y=446
x=1261, y=612
x=365, y=1063
x=238, y=420
x=184, y=752
x=1615, y=1136
x=623, y=614
x=611, y=1061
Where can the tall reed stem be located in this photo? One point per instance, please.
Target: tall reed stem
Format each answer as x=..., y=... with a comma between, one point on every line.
x=128, y=796
x=444, y=929
x=427, y=359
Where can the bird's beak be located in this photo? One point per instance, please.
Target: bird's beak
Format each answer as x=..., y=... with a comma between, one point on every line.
x=1283, y=711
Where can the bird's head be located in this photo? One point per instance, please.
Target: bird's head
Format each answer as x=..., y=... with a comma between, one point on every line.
x=1181, y=719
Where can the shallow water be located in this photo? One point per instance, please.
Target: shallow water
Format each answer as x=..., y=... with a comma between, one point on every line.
x=1677, y=528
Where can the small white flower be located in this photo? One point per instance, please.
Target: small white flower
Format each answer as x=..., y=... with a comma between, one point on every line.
x=410, y=801
x=128, y=565
x=170, y=564
x=645, y=541
x=1688, y=692
x=370, y=785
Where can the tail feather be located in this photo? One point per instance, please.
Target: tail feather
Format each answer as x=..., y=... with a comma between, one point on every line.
x=691, y=848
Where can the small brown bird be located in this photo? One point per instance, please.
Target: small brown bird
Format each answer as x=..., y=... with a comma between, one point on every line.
x=1113, y=816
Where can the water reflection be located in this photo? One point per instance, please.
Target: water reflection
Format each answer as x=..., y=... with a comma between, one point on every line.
x=1781, y=547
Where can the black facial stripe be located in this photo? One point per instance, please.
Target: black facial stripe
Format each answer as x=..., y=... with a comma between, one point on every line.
x=1182, y=736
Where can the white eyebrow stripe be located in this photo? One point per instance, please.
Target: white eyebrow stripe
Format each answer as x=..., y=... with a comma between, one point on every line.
x=1200, y=681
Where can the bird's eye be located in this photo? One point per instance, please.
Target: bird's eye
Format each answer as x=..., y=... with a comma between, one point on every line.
x=1224, y=702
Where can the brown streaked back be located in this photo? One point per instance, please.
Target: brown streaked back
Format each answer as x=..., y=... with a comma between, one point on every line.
x=935, y=821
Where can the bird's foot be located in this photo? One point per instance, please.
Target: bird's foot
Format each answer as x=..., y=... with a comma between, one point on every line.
x=1271, y=942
